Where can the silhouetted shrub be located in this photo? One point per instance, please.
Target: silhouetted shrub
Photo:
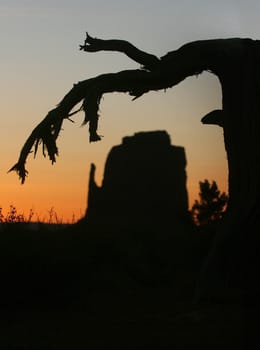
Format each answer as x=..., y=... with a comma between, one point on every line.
x=211, y=204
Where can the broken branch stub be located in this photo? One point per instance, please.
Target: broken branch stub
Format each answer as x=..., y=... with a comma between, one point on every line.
x=148, y=61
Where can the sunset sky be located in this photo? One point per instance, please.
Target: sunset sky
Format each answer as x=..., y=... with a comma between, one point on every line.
x=40, y=62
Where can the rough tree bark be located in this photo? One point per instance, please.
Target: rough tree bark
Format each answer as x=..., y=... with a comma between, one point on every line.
x=235, y=62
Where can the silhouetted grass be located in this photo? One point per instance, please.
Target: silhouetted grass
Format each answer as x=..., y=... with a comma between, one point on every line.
x=13, y=215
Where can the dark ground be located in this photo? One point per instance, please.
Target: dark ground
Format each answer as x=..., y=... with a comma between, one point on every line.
x=72, y=290
x=124, y=320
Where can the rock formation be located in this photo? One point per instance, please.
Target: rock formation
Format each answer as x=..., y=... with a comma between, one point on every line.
x=144, y=182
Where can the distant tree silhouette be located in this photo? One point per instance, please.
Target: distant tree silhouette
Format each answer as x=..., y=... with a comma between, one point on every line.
x=210, y=207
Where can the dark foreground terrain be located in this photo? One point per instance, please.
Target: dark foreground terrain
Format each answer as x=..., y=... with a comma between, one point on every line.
x=140, y=319
x=71, y=289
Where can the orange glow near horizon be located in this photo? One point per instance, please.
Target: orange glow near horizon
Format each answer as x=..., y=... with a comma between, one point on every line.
x=76, y=207
x=62, y=189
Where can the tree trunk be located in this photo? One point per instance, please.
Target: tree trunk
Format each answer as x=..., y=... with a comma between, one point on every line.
x=232, y=261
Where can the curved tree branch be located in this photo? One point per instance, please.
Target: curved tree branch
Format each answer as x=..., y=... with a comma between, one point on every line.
x=163, y=73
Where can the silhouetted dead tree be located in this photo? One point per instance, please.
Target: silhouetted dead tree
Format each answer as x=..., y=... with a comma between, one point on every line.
x=234, y=61
x=155, y=74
